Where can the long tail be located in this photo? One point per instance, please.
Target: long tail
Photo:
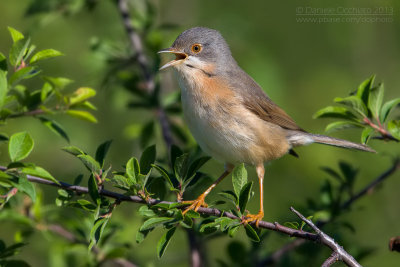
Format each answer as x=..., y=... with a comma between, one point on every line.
x=304, y=138
x=323, y=139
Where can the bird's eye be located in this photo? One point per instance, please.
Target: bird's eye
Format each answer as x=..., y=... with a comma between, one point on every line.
x=196, y=48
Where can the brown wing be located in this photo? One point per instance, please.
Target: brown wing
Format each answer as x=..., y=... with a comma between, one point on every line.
x=257, y=101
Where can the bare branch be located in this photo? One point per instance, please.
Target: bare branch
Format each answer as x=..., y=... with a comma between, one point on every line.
x=329, y=242
x=277, y=255
x=331, y=260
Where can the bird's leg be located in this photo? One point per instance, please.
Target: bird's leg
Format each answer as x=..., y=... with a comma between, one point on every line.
x=200, y=201
x=257, y=217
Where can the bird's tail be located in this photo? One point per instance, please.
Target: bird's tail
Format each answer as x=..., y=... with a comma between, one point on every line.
x=304, y=138
x=323, y=139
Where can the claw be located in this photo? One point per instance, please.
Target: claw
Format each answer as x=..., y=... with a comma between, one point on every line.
x=253, y=218
x=195, y=204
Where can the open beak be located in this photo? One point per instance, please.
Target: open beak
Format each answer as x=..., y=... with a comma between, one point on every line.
x=179, y=57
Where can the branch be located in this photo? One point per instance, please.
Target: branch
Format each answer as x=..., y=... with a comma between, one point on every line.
x=331, y=260
x=328, y=241
x=137, y=45
x=143, y=62
x=278, y=254
x=151, y=201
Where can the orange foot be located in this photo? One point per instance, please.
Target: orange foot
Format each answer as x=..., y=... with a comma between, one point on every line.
x=253, y=217
x=195, y=204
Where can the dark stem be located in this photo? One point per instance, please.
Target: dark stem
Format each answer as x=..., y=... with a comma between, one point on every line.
x=151, y=201
x=197, y=256
x=136, y=44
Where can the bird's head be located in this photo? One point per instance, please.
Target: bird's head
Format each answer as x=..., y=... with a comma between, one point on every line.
x=199, y=48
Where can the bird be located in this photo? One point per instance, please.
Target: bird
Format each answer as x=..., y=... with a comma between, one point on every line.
x=230, y=116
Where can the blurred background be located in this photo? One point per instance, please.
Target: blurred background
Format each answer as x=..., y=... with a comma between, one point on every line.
x=301, y=65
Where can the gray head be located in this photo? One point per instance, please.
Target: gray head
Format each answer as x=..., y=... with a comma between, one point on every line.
x=199, y=48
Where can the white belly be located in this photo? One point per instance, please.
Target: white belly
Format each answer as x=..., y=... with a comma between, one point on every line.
x=217, y=131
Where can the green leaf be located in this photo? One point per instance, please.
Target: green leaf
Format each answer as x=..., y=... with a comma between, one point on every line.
x=366, y=134
x=91, y=164
x=245, y=196
x=293, y=225
x=101, y=152
x=340, y=125
x=94, y=190
x=15, y=35
x=24, y=73
x=146, y=212
x=54, y=127
x=375, y=100
x=97, y=231
x=45, y=54
x=20, y=146
x=25, y=186
x=3, y=88
x=196, y=165
x=73, y=150
x=394, y=129
x=58, y=82
x=141, y=235
x=3, y=63
x=154, y=222
x=364, y=89
x=39, y=172
x=251, y=233
x=353, y=102
x=181, y=167
x=133, y=170
x=17, y=51
x=81, y=94
x=335, y=112
x=164, y=241
x=233, y=230
x=387, y=107
x=147, y=159
x=175, y=153
x=229, y=195
x=122, y=182
x=239, y=179
x=83, y=115
x=165, y=175
x=47, y=90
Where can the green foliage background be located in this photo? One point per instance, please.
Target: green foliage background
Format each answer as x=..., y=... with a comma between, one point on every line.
x=302, y=66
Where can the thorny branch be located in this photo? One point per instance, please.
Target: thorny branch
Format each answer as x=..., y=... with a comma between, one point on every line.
x=328, y=241
x=369, y=188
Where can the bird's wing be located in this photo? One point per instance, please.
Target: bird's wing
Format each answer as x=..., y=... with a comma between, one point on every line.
x=257, y=101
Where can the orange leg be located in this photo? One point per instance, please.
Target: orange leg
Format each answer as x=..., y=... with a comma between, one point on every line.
x=200, y=201
x=258, y=217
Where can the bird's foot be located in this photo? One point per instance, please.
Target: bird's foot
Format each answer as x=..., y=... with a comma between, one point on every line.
x=249, y=218
x=195, y=204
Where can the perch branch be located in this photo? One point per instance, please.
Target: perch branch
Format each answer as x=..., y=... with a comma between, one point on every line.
x=151, y=201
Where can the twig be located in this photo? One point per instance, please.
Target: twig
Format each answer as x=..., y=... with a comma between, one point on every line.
x=278, y=254
x=137, y=45
x=384, y=133
x=331, y=260
x=328, y=241
x=197, y=256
